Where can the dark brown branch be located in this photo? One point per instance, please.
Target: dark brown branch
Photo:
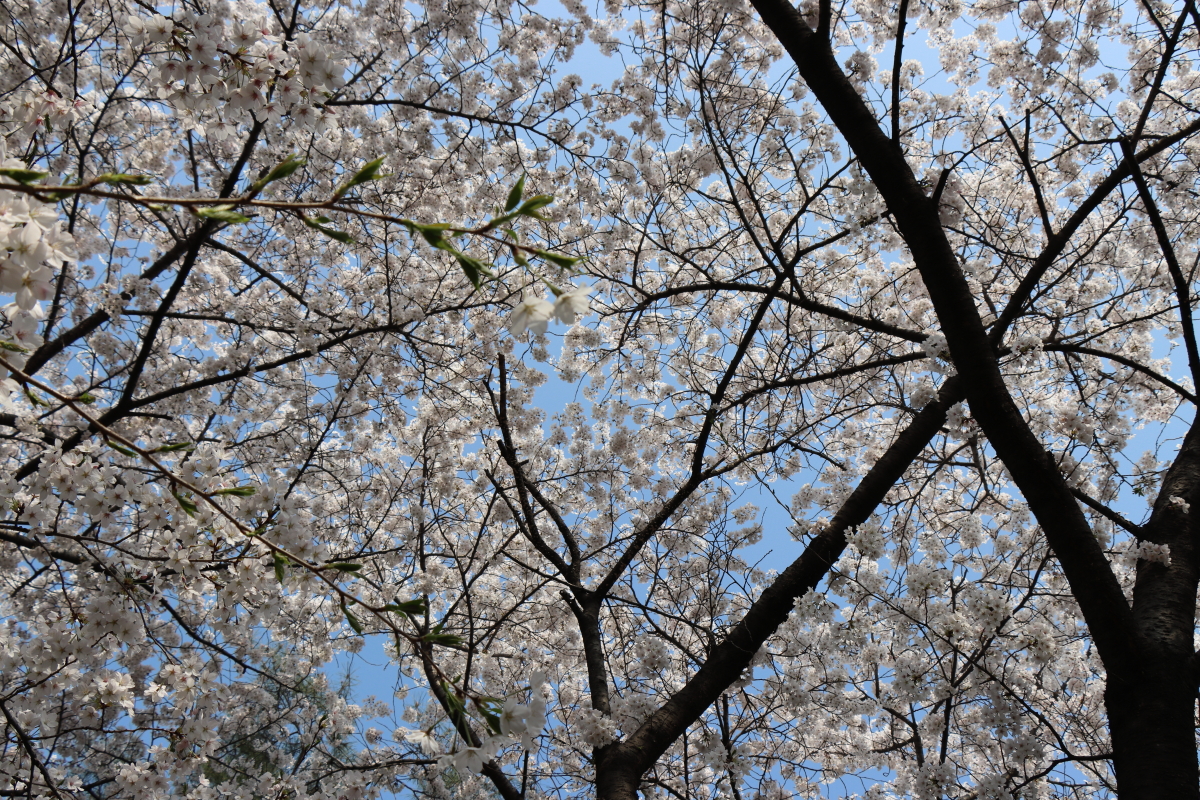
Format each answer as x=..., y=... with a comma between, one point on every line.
x=624, y=763
x=897, y=63
x=1033, y=469
x=1182, y=289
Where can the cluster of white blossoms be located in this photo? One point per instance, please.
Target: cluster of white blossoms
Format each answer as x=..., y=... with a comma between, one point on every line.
x=652, y=654
x=868, y=540
x=922, y=394
x=521, y=722
x=595, y=727
x=294, y=457
x=207, y=65
x=1150, y=551
x=33, y=245
x=1076, y=423
x=32, y=110
x=936, y=346
x=535, y=313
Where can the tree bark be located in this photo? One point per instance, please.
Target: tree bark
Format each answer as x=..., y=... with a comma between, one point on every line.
x=1152, y=715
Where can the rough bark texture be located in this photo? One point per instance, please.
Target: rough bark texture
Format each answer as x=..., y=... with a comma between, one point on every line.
x=1152, y=714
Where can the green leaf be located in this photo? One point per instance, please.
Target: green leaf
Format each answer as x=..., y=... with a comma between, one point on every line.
x=558, y=259
x=353, y=620
x=342, y=566
x=531, y=206
x=281, y=171
x=238, y=491
x=186, y=504
x=434, y=637
x=123, y=178
x=12, y=347
x=23, y=176
x=514, y=196
x=473, y=268
x=281, y=565
x=173, y=447
x=33, y=398
x=492, y=720
x=340, y=236
x=433, y=234
x=222, y=214
x=369, y=172
x=85, y=398
x=125, y=451
x=457, y=709
x=409, y=608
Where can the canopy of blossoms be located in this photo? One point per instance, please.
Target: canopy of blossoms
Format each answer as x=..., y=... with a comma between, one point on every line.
x=902, y=291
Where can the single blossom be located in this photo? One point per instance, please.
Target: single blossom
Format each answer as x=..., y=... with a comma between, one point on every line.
x=424, y=740
x=532, y=313
x=572, y=304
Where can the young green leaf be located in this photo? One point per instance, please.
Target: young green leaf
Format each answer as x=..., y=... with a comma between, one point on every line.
x=514, y=196
x=473, y=268
x=353, y=620
x=369, y=172
x=408, y=608
x=222, y=214
x=23, y=176
x=173, y=447
x=566, y=262
x=342, y=566
x=124, y=179
x=281, y=171
x=337, y=235
x=433, y=234
x=85, y=398
x=186, y=504
x=238, y=491
x=449, y=639
x=531, y=206
x=281, y=565
x=456, y=708
x=125, y=451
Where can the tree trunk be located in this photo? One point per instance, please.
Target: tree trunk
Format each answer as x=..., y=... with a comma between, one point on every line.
x=1152, y=725
x=1152, y=714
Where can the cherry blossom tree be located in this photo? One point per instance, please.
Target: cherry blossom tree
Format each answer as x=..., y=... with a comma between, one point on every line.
x=907, y=283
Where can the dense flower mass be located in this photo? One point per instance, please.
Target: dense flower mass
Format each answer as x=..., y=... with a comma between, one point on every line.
x=736, y=399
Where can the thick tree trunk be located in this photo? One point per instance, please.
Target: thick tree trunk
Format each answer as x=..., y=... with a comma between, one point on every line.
x=1152, y=715
x=1152, y=725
